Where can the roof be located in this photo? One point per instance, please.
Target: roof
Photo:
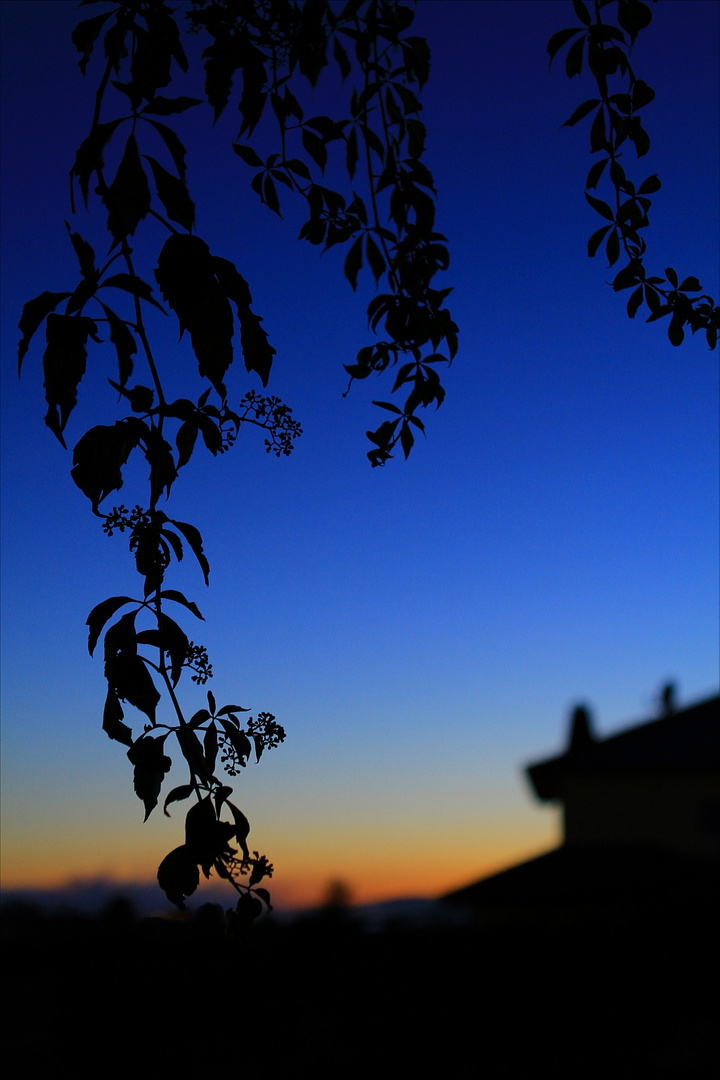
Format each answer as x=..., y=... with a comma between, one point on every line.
x=684, y=741
x=595, y=876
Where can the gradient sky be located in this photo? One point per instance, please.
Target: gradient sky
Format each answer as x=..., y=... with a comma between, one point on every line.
x=423, y=630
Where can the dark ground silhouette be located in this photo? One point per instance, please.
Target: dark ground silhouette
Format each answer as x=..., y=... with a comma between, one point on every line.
x=562, y=998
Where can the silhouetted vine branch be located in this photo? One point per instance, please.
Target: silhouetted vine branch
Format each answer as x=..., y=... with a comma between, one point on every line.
x=267, y=47
x=617, y=123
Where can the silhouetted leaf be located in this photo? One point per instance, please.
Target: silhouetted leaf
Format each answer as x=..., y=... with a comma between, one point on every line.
x=64, y=362
x=211, y=433
x=186, y=276
x=627, y=277
x=265, y=896
x=690, y=284
x=206, y=838
x=341, y=57
x=315, y=147
x=175, y=543
x=154, y=49
x=598, y=136
x=178, y=598
x=642, y=94
x=416, y=53
x=582, y=12
x=676, y=333
x=652, y=300
x=633, y=17
x=89, y=157
x=249, y=156
x=635, y=301
x=574, y=58
x=407, y=439
x=99, y=456
x=270, y=196
x=660, y=313
x=298, y=167
x=151, y=763
x=222, y=59
x=242, y=828
x=85, y=34
x=133, y=284
x=257, y=351
x=582, y=111
x=199, y=718
x=612, y=248
x=115, y=43
x=100, y=615
x=85, y=289
x=131, y=679
x=184, y=791
x=124, y=342
x=173, y=194
x=121, y=636
x=33, y=313
x=173, y=143
x=240, y=920
x=193, y=753
x=602, y=207
x=559, y=39
x=353, y=262
x=375, y=258
x=175, y=643
x=112, y=719
x=159, y=456
x=185, y=440
x=178, y=876
x=671, y=276
x=641, y=140
x=328, y=128
x=416, y=145
x=84, y=252
x=128, y=197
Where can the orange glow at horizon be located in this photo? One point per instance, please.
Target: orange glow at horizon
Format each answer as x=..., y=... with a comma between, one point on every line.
x=404, y=865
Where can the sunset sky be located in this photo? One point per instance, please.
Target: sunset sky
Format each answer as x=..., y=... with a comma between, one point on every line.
x=421, y=630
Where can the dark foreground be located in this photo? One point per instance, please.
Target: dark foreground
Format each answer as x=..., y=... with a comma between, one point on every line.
x=120, y=997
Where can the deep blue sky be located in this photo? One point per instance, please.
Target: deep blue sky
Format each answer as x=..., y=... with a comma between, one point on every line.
x=422, y=630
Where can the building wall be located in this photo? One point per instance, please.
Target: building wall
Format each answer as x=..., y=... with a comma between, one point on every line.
x=681, y=812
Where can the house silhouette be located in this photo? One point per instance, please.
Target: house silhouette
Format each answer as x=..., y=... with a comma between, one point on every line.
x=641, y=825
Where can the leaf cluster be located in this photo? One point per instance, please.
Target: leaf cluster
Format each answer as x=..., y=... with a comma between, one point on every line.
x=617, y=122
x=145, y=647
x=260, y=53
x=388, y=224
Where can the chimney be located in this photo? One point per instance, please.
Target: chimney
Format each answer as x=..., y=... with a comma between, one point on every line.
x=581, y=734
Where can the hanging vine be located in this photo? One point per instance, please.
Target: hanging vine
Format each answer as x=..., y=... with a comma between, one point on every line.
x=267, y=48
x=617, y=124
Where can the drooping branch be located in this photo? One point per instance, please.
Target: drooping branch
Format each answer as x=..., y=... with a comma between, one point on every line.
x=271, y=48
x=617, y=125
